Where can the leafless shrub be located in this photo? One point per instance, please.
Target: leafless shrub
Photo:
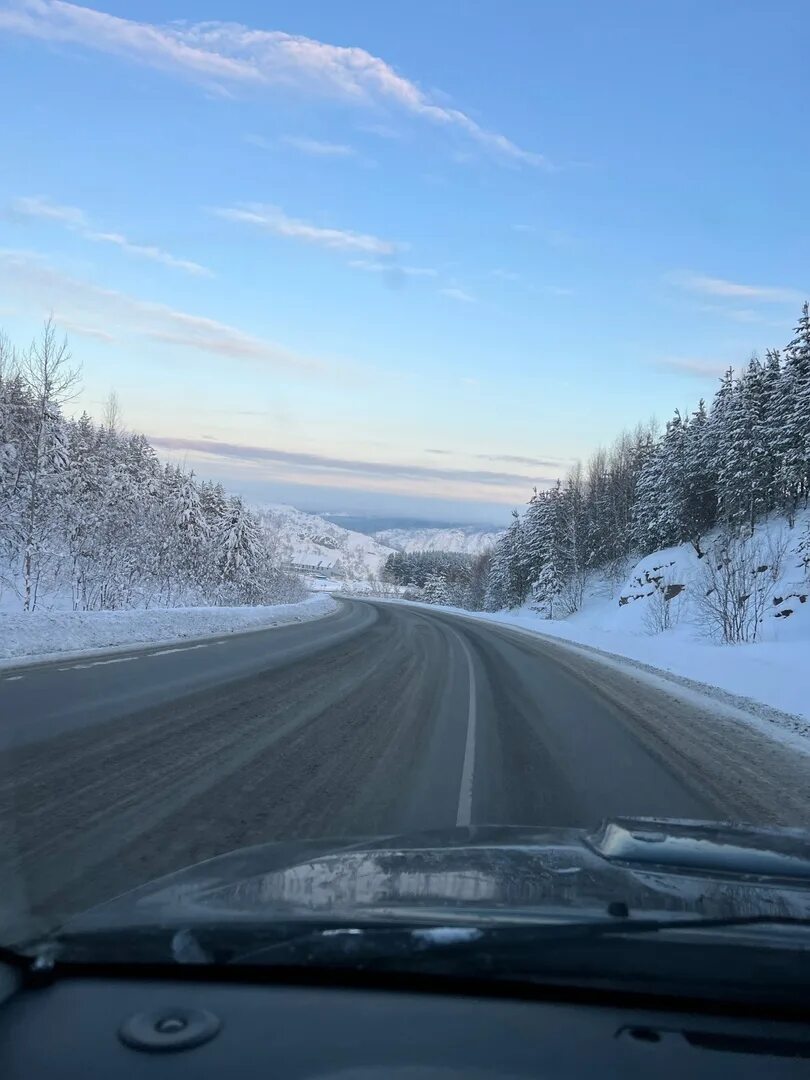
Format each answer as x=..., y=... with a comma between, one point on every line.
x=571, y=594
x=663, y=610
x=735, y=585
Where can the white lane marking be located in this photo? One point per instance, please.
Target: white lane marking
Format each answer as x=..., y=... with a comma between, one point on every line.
x=100, y=663
x=464, y=815
x=13, y=678
x=180, y=648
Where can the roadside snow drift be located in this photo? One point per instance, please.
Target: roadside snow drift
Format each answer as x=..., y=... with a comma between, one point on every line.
x=40, y=634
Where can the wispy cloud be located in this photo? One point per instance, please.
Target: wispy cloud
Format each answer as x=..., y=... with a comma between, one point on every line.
x=37, y=206
x=517, y=459
x=704, y=369
x=40, y=285
x=221, y=54
x=274, y=220
x=505, y=275
x=510, y=459
x=383, y=131
x=400, y=470
x=93, y=332
x=316, y=147
x=733, y=290
x=393, y=268
x=458, y=294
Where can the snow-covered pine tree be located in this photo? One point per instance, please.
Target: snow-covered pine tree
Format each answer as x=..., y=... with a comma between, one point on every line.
x=796, y=443
x=699, y=490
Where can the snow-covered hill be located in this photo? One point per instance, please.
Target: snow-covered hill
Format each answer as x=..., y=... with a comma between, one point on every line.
x=465, y=538
x=310, y=543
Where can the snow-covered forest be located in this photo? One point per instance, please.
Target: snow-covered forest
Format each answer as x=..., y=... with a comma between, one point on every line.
x=90, y=519
x=719, y=471
x=728, y=465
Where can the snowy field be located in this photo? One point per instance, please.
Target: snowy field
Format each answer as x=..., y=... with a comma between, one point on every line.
x=43, y=634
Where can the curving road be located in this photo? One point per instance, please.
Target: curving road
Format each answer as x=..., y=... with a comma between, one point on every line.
x=380, y=718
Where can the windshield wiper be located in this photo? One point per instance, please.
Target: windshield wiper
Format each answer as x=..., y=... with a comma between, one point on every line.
x=358, y=944
x=371, y=944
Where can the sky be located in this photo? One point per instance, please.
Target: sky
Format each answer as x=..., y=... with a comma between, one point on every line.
x=402, y=258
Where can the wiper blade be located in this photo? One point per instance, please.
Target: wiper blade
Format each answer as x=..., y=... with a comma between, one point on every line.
x=386, y=944
x=376, y=944
x=700, y=922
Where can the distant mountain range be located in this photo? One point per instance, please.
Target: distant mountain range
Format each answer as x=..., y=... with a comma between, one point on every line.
x=312, y=544
x=471, y=539
x=318, y=546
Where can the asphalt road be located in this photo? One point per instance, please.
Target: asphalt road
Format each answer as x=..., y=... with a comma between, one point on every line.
x=380, y=718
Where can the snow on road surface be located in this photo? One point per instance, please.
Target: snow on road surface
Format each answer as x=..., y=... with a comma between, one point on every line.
x=775, y=700
x=40, y=635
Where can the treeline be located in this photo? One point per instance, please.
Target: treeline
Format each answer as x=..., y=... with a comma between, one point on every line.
x=89, y=516
x=728, y=466
x=439, y=577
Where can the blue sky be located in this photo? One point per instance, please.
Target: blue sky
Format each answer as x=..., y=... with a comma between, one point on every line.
x=411, y=257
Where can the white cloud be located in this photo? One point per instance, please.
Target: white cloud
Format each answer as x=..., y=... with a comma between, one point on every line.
x=458, y=294
x=276, y=221
x=83, y=331
x=39, y=285
x=73, y=218
x=393, y=268
x=318, y=148
x=221, y=54
x=712, y=286
x=705, y=369
x=257, y=140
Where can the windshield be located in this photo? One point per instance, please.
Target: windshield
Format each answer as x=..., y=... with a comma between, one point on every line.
x=404, y=474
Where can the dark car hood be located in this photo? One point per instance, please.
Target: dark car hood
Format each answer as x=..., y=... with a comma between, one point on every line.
x=485, y=873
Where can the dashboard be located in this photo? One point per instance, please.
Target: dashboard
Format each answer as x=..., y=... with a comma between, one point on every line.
x=100, y=1027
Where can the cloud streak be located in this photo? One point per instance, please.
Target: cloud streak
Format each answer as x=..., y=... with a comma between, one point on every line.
x=71, y=217
x=393, y=268
x=461, y=295
x=732, y=290
x=230, y=54
x=37, y=283
x=704, y=369
x=323, y=462
x=318, y=148
x=274, y=220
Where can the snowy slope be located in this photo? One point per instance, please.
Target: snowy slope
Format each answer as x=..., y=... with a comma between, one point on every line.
x=463, y=538
x=309, y=542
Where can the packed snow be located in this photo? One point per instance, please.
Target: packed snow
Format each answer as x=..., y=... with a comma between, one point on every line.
x=466, y=539
x=43, y=634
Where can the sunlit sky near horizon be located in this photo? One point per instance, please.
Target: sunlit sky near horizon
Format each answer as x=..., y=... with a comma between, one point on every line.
x=409, y=258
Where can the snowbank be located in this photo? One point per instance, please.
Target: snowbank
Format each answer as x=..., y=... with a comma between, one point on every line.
x=769, y=679
x=775, y=674
x=41, y=634
x=774, y=670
